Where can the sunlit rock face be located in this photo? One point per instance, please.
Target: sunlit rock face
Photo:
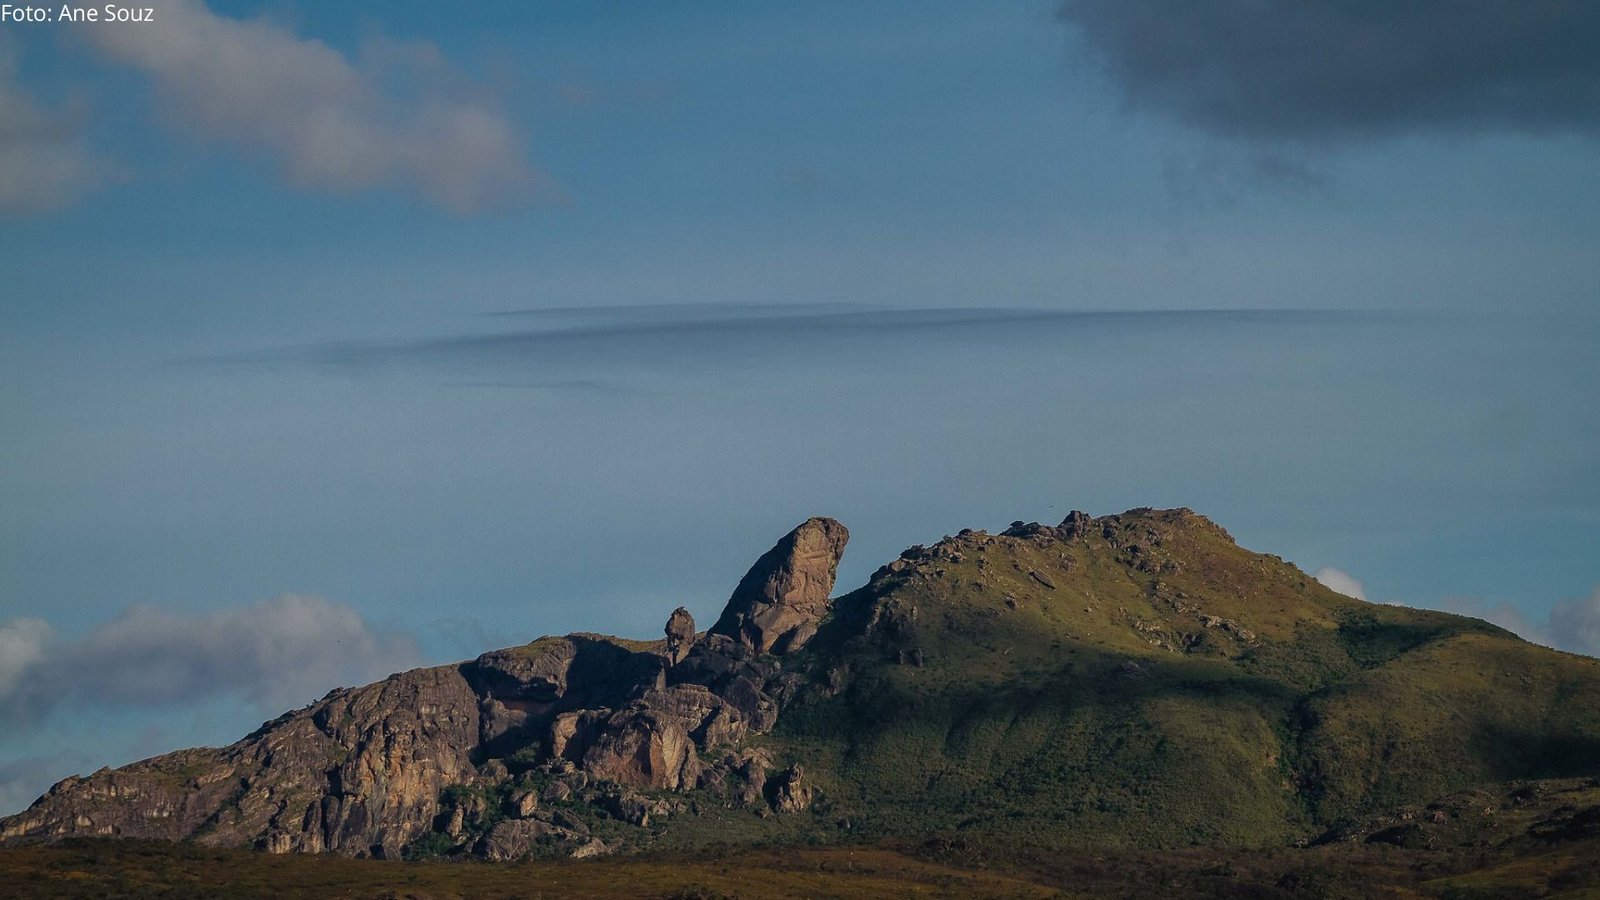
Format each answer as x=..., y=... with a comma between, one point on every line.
x=780, y=601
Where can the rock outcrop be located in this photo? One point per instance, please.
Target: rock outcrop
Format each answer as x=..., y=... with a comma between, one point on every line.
x=359, y=773
x=680, y=635
x=515, y=838
x=639, y=747
x=790, y=792
x=703, y=715
x=370, y=771
x=778, y=604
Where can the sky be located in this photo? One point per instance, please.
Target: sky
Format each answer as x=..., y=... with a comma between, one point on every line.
x=337, y=339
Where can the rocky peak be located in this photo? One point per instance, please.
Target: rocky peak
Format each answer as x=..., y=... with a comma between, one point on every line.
x=1075, y=525
x=778, y=603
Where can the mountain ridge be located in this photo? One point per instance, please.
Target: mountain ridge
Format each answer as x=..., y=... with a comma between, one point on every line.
x=1133, y=680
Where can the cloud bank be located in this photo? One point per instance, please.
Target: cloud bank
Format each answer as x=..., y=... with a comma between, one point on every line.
x=394, y=116
x=1325, y=71
x=45, y=163
x=274, y=654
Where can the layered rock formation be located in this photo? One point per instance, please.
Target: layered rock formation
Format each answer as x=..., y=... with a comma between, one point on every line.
x=358, y=772
x=779, y=603
x=369, y=771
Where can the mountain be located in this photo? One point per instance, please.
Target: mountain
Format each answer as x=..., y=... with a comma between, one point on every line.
x=1127, y=681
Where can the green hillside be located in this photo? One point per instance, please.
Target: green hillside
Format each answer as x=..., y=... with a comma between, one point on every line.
x=1141, y=680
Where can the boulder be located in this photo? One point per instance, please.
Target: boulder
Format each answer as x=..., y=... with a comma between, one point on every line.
x=630, y=808
x=752, y=766
x=790, y=793
x=778, y=603
x=680, y=634
x=759, y=711
x=572, y=732
x=1077, y=524
x=570, y=822
x=457, y=823
x=514, y=838
x=707, y=718
x=525, y=803
x=642, y=747
x=537, y=671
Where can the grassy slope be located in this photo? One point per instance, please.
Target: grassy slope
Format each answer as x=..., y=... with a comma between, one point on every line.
x=1105, y=712
x=141, y=869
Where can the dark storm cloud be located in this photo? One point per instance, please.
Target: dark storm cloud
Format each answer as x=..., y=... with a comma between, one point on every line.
x=1322, y=71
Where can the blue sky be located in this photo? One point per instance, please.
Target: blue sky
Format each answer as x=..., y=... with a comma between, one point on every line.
x=387, y=333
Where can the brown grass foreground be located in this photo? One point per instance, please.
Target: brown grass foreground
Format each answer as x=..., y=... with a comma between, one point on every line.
x=151, y=869
x=141, y=869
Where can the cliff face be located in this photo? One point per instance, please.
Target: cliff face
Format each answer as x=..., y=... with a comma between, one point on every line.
x=359, y=771
x=778, y=604
x=1136, y=679
x=363, y=771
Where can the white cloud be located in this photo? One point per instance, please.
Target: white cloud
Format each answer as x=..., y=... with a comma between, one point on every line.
x=274, y=654
x=21, y=647
x=1503, y=614
x=1333, y=579
x=1573, y=624
x=394, y=116
x=45, y=162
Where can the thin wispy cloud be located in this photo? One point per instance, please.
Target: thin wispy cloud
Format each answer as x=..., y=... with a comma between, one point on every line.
x=644, y=312
x=45, y=160
x=711, y=337
x=1325, y=72
x=396, y=115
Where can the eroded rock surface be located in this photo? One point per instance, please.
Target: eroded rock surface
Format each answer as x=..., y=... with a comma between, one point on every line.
x=778, y=604
x=680, y=635
x=358, y=772
x=640, y=747
x=427, y=753
x=790, y=792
